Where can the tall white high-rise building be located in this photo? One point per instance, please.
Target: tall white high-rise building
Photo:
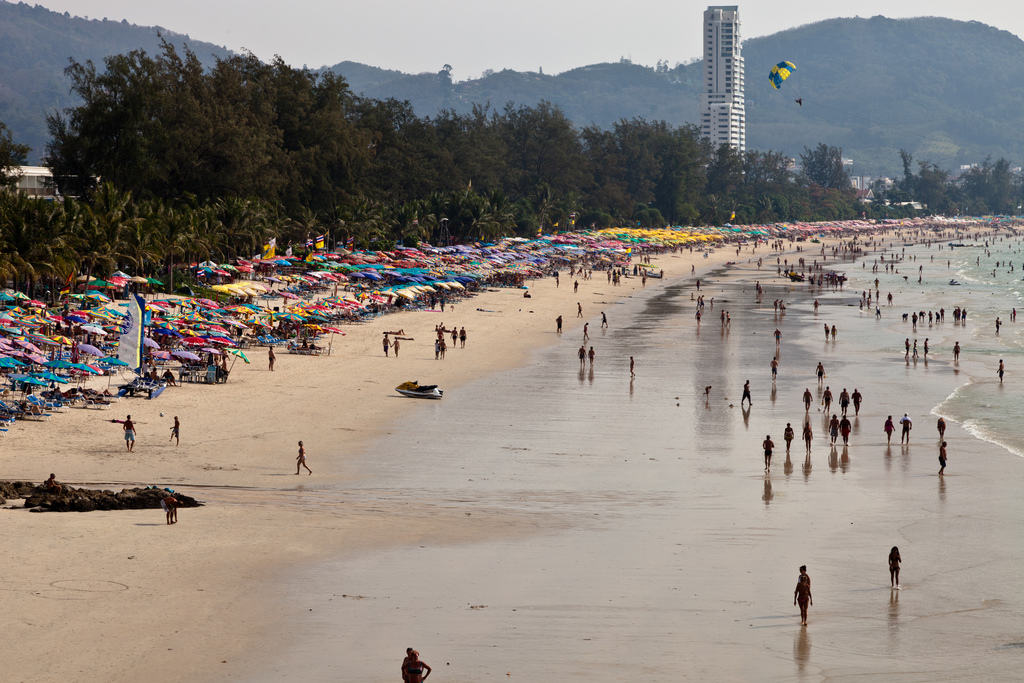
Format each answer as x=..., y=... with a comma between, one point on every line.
x=723, y=111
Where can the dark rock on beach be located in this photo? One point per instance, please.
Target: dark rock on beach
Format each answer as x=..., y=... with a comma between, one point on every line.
x=69, y=499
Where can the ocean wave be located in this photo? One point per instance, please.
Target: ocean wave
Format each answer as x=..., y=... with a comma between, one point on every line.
x=946, y=409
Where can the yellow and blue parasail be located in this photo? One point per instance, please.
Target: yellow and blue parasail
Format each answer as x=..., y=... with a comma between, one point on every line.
x=780, y=72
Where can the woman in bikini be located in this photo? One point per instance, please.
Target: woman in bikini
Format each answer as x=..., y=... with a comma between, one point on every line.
x=894, y=567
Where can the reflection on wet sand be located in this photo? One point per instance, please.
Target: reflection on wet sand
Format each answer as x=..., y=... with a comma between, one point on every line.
x=767, y=495
x=893, y=620
x=802, y=650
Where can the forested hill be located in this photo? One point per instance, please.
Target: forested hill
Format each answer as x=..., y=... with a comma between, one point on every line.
x=35, y=45
x=950, y=92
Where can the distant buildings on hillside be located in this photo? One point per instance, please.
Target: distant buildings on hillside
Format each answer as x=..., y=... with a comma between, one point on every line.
x=723, y=118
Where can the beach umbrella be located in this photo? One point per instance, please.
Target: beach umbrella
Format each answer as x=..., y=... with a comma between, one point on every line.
x=90, y=349
x=162, y=355
x=83, y=367
x=50, y=376
x=92, y=329
x=10, y=363
x=238, y=354
x=193, y=341
x=112, y=360
x=59, y=364
x=27, y=379
x=210, y=349
x=187, y=355
x=149, y=343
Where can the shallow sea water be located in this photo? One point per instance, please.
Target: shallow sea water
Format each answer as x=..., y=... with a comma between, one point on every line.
x=660, y=550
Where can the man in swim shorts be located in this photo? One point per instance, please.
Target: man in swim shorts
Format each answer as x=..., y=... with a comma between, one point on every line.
x=129, y=434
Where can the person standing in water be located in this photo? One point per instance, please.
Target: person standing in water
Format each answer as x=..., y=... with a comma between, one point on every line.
x=768, y=446
x=894, y=567
x=802, y=597
x=942, y=458
x=788, y=436
x=821, y=373
x=632, y=367
x=956, y=352
x=941, y=426
x=1001, y=370
x=808, y=435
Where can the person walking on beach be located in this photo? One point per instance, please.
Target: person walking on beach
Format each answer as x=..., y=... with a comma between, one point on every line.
x=579, y=310
x=778, y=337
x=941, y=426
x=821, y=373
x=632, y=366
x=804, y=575
x=586, y=331
x=889, y=428
x=808, y=435
x=575, y=286
x=176, y=432
x=271, y=357
x=906, y=425
x=387, y=344
x=558, y=325
x=956, y=352
x=300, y=460
x=591, y=355
x=462, y=338
x=833, y=428
x=826, y=399
x=746, y=394
x=582, y=353
x=844, y=401
x=1001, y=370
x=787, y=436
x=894, y=567
x=414, y=669
x=906, y=345
x=844, y=429
x=768, y=445
x=129, y=434
x=857, y=398
x=802, y=597
x=775, y=368
x=604, y=321
x=807, y=400
x=942, y=458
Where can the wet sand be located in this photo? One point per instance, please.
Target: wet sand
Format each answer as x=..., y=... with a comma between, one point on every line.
x=657, y=548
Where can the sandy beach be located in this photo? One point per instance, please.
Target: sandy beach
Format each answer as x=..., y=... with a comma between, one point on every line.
x=541, y=523
x=125, y=596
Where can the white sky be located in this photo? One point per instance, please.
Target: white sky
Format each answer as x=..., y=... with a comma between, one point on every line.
x=422, y=35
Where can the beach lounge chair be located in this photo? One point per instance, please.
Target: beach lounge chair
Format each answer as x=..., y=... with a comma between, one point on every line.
x=43, y=403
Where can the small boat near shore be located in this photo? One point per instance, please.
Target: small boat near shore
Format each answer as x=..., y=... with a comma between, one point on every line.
x=417, y=390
